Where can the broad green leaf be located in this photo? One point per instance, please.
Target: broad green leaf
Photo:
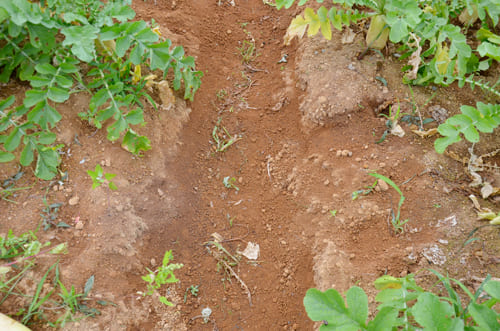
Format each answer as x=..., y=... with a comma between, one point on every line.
x=432, y=313
x=14, y=139
x=43, y=114
x=484, y=316
x=384, y=320
x=115, y=129
x=46, y=165
x=399, y=31
x=57, y=94
x=112, y=186
x=327, y=305
x=81, y=39
x=32, y=97
x=490, y=50
x=123, y=44
x=40, y=81
x=357, y=303
x=135, y=117
x=46, y=69
x=64, y=81
x=46, y=138
x=6, y=157
x=492, y=287
x=27, y=155
x=440, y=144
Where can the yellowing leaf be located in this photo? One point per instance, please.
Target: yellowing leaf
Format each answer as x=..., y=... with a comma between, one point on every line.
x=377, y=34
x=297, y=28
x=313, y=20
x=495, y=221
x=386, y=282
x=137, y=74
x=442, y=59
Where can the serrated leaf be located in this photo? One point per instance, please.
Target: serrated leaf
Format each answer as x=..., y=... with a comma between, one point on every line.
x=6, y=157
x=46, y=165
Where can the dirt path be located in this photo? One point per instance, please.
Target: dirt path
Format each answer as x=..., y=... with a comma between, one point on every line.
x=304, y=122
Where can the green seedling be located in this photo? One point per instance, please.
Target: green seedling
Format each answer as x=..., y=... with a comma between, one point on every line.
x=247, y=51
x=193, y=290
x=163, y=275
x=366, y=191
x=230, y=219
x=229, y=183
x=221, y=94
x=222, y=138
x=333, y=212
x=99, y=178
x=74, y=302
x=397, y=223
x=406, y=306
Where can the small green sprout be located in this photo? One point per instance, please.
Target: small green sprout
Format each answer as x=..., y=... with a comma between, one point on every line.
x=99, y=177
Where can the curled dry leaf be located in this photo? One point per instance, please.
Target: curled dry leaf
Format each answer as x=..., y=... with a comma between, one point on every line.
x=415, y=58
x=425, y=134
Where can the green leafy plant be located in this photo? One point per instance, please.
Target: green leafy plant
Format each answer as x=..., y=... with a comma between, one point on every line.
x=163, y=275
x=404, y=305
x=74, y=302
x=193, y=290
x=432, y=36
x=62, y=47
x=397, y=223
x=229, y=183
x=472, y=120
x=99, y=177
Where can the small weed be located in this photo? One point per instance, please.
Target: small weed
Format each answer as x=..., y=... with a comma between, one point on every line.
x=333, y=212
x=222, y=138
x=391, y=123
x=221, y=94
x=8, y=189
x=163, y=275
x=229, y=183
x=99, y=177
x=397, y=223
x=247, y=51
x=49, y=215
x=193, y=290
x=436, y=205
x=230, y=220
x=366, y=191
